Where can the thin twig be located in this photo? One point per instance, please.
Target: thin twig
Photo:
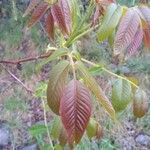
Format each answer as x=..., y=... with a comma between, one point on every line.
x=17, y=79
x=46, y=124
x=22, y=60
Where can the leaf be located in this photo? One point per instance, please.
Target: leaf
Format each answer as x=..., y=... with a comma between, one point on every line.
x=38, y=13
x=56, y=54
x=64, y=4
x=56, y=85
x=37, y=130
x=94, y=129
x=49, y=25
x=111, y=38
x=56, y=127
x=32, y=5
x=51, y=2
x=59, y=18
x=58, y=131
x=97, y=14
x=121, y=94
x=127, y=29
x=137, y=40
x=110, y=21
x=146, y=37
x=146, y=13
x=140, y=103
x=75, y=110
x=96, y=89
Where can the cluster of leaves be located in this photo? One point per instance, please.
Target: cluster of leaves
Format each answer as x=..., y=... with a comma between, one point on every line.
x=70, y=97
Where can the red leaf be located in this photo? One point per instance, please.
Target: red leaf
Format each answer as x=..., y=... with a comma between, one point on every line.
x=75, y=110
x=49, y=25
x=128, y=27
x=147, y=37
x=59, y=18
x=64, y=4
x=32, y=5
x=98, y=12
x=132, y=49
x=38, y=13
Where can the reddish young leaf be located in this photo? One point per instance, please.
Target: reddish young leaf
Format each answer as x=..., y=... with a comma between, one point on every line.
x=64, y=4
x=98, y=12
x=132, y=49
x=127, y=29
x=49, y=25
x=32, y=5
x=38, y=13
x=59, y=18
x=75, y=110
x=146, y=37
x=56, y=85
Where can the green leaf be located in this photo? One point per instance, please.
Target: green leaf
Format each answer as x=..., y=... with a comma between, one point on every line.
x=121, y=94
x=56, y=127
x=111, y=38
x=96, y=70
x=56, y=85
x=140, y=103
x=56, y=54
x=37, y=130
x=110, y=21
x=94, y=129
x=96, y=89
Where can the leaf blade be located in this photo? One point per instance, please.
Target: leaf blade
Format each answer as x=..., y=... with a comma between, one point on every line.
x=75, y=110
x=96, y=90
x=56, y=85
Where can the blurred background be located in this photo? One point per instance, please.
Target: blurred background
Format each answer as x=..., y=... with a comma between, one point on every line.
x=22, y=113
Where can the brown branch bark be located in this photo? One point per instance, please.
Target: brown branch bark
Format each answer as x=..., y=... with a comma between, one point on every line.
x=22, y=60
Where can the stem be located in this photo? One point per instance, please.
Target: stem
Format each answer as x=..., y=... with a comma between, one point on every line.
x=73, y=67
x=15, y=62
x=46, y=124
x=106, y=70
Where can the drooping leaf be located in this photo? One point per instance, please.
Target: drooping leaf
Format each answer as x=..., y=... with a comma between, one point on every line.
x=97, y=14
x=94, y=129
x=111, y=38
x=96, y=89
x=49, y=26
x=75, y=110
x=56, y=85
x=137, y=40
x=62, y=137
x=140, y=103
x=59, y=18
x=64, y=4
x=38, y=13
x=126, y=32
x=121, y=94
x=110, y=21
x=32, y=5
